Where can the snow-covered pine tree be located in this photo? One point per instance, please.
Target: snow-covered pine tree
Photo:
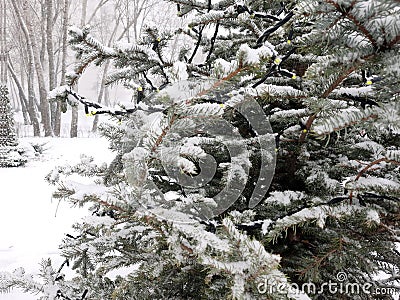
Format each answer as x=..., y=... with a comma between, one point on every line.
x=326, y=74
x=9, y=155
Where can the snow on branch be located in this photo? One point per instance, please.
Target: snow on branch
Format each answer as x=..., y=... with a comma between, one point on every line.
x=316, y=214
x=344, y=118
x=67, y=94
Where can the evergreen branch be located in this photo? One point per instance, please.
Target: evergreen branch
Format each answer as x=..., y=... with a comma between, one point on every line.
x=319, y=260
x=394, y=41
x=100, y=109
x=330, y=89
x=249, y=24
x=370, y=165
x=198, y=69
x=111, y=206
x=308, y=124
x=365, y=169
x=164, y=132
x=221, y=81
x=352, y=121
x=342, y=77
x=356, y=22
x=80, y=69
x=394, y=232
x=124, y=73
x=383, y=159
x=334, y=23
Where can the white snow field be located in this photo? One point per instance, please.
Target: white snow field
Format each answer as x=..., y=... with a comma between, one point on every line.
x=32, y=225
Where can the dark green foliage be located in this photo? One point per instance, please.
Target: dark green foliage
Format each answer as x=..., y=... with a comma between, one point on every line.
x=9, y=155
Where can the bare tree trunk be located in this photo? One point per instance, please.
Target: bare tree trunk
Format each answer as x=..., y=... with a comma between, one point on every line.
x=30, y=72
x=3, y=46
x=84, y=10
x=135, y=12
x=42, y=32
x=104, y=77
x=74, y=118
x=64, y=49
x=49, y=43
x=44, y=103
x=100, y=5
x=31, y=101
x=15, y=103
x=55, y=113
x=22, y=96
x=101, y=93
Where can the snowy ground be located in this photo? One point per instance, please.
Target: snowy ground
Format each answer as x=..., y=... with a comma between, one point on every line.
x=31, y=225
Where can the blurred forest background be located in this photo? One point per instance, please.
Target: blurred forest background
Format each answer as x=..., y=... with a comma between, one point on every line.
x=35, y=56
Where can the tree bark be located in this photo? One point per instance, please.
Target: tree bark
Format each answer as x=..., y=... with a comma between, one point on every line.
x=101, y=93
x=55, y=112
x=104, y=76
x=84, y=10
x=30, y=72
x=44, y=103
x=74, y=119
x=22, y=96
x=3, y=45
x=64, y=50
x=42, y=33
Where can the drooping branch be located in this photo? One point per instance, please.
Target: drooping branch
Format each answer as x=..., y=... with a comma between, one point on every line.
x=346, y=12
x=365, y=169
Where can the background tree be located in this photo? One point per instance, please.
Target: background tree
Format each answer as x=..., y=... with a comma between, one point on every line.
x=9, y=155
x=47, y=46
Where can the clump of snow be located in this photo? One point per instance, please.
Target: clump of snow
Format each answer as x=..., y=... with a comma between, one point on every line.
x=372, y=182
x=191, y=150
x=137, y=154
x=373, y=217
x=75, y=30
x=221, y=67
x=58, y=92
x=371, y=146
x=242, y=217
x=27, y=150
x=122, y=271
x=179, y=71
x=355, y=91
x=171, y=196
x=253, y=56
x=265, y=225
x=283, y=198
